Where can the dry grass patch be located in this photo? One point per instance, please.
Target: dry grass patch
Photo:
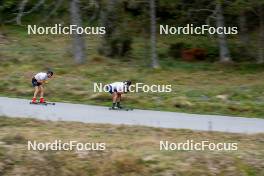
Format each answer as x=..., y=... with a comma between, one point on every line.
x=131, y=151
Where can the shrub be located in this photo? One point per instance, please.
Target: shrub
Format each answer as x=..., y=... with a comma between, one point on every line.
x=242, y=53
x=212, y=50
x=175, y=49
x=116, y=46
x=194, y=54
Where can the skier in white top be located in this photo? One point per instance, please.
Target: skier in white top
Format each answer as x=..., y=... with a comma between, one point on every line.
x=117, y=89
x=37, y=82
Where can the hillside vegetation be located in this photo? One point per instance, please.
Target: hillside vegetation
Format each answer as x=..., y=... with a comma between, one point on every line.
x=197, y=87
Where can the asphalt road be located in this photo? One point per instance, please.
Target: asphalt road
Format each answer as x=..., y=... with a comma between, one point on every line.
x=13, y=107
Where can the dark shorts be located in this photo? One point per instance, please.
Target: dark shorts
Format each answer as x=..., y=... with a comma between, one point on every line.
x=35, y=82
x=110, y=89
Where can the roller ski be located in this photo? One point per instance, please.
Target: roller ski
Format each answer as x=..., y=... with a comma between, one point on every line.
x=121, y=109
x=40, y=102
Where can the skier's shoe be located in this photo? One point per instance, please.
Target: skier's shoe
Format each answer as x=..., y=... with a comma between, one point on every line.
x=120, y=107
x=41, y=100
x=114, y=108
x=34, y=100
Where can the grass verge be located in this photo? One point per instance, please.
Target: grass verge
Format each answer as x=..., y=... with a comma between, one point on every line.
x=130, y=151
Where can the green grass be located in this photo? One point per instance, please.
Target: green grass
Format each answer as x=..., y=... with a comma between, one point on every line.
x=137, y=154
x=198, y=87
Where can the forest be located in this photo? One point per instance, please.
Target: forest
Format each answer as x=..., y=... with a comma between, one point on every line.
x=128, y=19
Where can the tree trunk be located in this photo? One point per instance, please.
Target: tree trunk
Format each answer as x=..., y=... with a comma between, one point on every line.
x=97, y=9
x=78, y=41
x=243, y=28
x=154, y=58
x=108, y=18
x=21, y=9
x=261, y=36
x=223, y=46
